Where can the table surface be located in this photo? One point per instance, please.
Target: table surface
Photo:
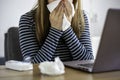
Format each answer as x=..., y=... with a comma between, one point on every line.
x=70, y=74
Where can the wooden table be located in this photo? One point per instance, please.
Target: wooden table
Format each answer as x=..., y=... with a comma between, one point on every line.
x=71, y=74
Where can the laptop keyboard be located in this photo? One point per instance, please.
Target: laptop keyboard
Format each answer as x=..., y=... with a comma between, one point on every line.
x=87, y=65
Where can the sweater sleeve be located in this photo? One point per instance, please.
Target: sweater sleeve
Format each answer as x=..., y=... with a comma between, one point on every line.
x=29, y=45
x=80, y=49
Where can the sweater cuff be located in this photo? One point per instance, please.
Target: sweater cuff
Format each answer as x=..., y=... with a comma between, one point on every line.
x=68, y=33
x=55, y=32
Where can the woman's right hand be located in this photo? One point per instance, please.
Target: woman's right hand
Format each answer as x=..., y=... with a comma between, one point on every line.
x=56, y=17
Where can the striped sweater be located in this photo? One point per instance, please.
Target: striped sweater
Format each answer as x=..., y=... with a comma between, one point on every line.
x=64, y=44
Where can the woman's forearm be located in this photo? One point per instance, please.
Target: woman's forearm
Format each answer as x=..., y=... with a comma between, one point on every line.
x=80, y=49
x=29, y=45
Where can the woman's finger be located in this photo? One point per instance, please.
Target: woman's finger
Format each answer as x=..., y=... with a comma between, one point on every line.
x=55, y=11
x=66, y=12
x=60, y=14
x=68, y=8
x=59, y=8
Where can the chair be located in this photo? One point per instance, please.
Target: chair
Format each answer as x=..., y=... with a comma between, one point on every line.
x=2, y=61
x=12, y=47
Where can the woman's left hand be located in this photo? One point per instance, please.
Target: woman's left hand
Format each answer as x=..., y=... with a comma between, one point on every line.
x=68, y=10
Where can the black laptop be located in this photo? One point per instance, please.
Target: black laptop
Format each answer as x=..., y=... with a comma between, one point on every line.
x=108, y=54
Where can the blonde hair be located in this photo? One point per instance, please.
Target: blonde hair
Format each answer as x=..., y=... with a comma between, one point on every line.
x=42, y=19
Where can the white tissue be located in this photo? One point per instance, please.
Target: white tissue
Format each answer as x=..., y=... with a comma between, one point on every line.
x=18, y=65
x=52, y=68
x=66, y=24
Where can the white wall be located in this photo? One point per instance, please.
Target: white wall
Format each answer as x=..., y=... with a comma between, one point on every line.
x=97, y=10
x=11, y=10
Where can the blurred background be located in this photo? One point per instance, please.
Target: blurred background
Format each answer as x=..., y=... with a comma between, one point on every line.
x=11, y=10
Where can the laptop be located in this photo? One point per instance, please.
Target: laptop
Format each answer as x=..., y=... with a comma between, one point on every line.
x=108, y=54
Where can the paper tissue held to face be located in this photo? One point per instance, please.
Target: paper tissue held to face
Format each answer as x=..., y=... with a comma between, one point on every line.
x=52, y=68
x=66, y=24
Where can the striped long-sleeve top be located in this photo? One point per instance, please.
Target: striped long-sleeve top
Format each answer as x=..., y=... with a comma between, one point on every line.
x=64, y=44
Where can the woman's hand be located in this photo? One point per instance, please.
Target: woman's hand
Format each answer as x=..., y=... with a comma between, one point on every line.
x=68, y=10
x=56, y=17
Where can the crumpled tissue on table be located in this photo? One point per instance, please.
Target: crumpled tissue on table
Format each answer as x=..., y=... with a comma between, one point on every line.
x=52, y=68
x=51, y=6
x=18, y=65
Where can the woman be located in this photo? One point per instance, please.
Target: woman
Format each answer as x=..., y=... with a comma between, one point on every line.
x=42, y=38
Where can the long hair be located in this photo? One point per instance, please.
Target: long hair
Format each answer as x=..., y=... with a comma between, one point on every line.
x=42, y=19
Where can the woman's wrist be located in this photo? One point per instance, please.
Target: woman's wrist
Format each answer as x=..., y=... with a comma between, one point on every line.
x=57, y=28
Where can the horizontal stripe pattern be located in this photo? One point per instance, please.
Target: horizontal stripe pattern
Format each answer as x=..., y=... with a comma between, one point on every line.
x=80, y=49
x=64, y=44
